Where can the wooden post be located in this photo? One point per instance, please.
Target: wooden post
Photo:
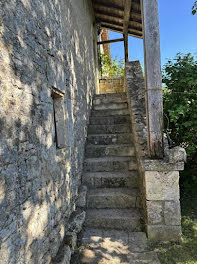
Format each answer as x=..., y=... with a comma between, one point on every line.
x=127, y=14
x=126, y=50
x=153, y=77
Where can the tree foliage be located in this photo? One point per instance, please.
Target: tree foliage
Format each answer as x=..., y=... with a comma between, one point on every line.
x=180, y=102
x=111, y=67
x=194, y=8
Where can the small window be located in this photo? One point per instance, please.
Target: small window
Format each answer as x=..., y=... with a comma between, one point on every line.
x=59, y=118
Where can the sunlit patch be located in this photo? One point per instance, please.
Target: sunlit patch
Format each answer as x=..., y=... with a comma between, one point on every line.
x=38, y=221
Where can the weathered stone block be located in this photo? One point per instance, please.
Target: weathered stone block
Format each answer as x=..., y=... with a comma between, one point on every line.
x=77, y=222
x=81, y=200
x=143, y=258
x=64, y=256
x=154, y=212
x=177, y=154
x=163, y=232
x=162, y=185
x=71, y=240
x=172, y=213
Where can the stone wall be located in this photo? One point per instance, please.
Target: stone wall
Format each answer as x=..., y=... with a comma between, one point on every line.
x=108, y=85
x=159, y=179
x=45, y=45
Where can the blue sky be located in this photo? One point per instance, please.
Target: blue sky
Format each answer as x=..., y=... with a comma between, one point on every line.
x=178, y=32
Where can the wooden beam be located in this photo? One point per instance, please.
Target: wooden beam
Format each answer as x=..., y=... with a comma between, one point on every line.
x=127, y=14
x=119, y=30
x=116, y=8
x=108, y=14
x=112, y=7
x=120, y=25
x=154, y=100
x=100, y=14
x=110, y=41
x=109, y=22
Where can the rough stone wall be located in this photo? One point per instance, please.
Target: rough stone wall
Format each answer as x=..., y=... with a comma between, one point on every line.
x=159, y=179
x=109, y=85
x=43, y=45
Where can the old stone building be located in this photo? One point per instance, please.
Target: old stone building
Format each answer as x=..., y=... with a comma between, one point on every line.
x=48, y=79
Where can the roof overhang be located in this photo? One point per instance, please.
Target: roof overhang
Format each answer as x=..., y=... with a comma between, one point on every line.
x=123, y=16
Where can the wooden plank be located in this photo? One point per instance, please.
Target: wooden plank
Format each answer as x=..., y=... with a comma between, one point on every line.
x=110, y=41
x=153, y=77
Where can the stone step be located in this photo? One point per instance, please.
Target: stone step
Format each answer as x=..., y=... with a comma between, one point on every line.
x=110, y=98
x=115, y=247
x=119, y=219
x=111, y=129
x=109, y=139
x=113, y=198
x=116, y=112
x=109, y=150
x=111, y=179
x=111, y=246
x=110, y=120
x=110, y=106
x=110, y=164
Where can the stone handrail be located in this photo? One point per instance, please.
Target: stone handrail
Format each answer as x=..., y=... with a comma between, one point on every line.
x=159, y=179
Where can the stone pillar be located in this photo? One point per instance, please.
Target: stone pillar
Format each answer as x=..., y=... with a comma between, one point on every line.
x=162, y=205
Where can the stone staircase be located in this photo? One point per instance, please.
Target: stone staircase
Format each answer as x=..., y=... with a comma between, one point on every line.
x=113, y=229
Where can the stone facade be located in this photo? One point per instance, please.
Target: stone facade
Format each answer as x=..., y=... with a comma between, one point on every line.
x=159, y=179
x=45, y=46
x=108, y=85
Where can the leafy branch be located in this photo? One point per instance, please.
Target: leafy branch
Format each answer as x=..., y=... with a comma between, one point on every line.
x=111, y=67
x=194, y=8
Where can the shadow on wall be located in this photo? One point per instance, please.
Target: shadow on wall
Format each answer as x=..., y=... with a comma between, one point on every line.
x=40, y=47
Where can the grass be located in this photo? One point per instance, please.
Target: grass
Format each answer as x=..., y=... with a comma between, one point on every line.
x=184, y=252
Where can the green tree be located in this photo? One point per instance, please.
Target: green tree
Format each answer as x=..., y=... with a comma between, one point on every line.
x=111, y=67
x=194, y=8
x=180, y=102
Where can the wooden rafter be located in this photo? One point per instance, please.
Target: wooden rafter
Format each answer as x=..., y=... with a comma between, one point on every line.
x=122, y=16
x=110, y=41
x=118, y=29
x=105, y=4
x=120, y=25
x=112, y=16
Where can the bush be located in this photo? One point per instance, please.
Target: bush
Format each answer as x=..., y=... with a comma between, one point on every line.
x=180, y=102
x=111, y=67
